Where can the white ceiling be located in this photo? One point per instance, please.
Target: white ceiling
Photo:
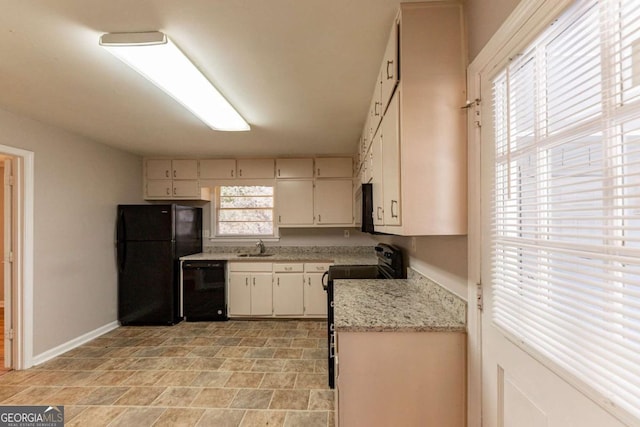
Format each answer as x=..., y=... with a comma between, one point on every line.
x=301, y=72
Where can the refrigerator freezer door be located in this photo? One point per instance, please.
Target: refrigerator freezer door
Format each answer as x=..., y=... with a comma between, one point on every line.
x=147, y=285
x=145, y=222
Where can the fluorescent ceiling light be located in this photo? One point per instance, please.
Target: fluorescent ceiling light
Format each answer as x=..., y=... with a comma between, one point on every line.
x=155, y=57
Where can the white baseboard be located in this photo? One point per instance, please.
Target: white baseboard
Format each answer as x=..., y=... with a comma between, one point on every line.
x=76, y=342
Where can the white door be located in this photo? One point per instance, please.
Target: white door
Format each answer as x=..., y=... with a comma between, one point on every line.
x=8, y=263
x=517, y=389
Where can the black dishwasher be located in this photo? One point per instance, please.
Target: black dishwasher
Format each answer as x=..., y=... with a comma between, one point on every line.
x=203, y=291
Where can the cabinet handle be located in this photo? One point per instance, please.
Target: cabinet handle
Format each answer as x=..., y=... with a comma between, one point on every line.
x=378, y=212
x=394, y=215
x=174, y=191
x=166, y=173
x=318, y=171
x=375, y=108
x=239, y=172
x=389, y=76
x=246, y=281
x=319, y=218
x=278, y=172
x=278, y=281
x=254, y=281
x=231, y=173
x=174, y=174
x=309, y=281
x=168, y=191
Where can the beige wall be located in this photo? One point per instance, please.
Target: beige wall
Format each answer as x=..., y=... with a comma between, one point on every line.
x=78, y=184
x=484, y=17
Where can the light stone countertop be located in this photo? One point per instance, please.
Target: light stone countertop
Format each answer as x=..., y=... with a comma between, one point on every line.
x=416, y=304
x=334, y=255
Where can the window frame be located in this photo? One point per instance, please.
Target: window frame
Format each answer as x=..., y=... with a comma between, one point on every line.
x=216, y=236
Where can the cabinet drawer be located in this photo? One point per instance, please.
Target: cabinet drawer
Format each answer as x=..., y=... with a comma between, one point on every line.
x=250, y=266
x=292, y=267
x=316, y=267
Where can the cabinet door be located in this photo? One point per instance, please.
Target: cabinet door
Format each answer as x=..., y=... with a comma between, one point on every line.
x=333, y=201
x=239, y=294
x=217, y=169
x=315, y=297
x=261, y=294
x=255, y=168
x=389, y=71
x=376, y=180
x=158, y=168
x=288, y=294
x=160, y=188
x=334, y=167
x=294, y=168
x=184, y=169
x=294, y=200
x=186, y=189
x=391, y=163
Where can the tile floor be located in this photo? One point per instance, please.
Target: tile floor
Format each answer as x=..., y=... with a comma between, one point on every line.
x=236, y=373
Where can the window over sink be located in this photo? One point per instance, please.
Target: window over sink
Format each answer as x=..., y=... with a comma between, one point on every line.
x=244, y=211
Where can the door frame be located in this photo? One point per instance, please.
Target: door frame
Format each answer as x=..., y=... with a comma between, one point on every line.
x=23, y=261
x=528, y=17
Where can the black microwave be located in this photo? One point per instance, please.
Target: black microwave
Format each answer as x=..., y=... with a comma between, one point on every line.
x=364, y=208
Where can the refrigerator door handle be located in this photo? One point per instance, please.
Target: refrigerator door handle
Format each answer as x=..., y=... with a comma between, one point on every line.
x=122, y=229
x=122, y=256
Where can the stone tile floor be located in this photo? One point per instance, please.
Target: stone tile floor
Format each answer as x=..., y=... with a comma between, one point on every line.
x=236, y=373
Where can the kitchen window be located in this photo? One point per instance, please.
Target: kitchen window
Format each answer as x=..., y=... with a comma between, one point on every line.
x=566, y=202
x=244, y=211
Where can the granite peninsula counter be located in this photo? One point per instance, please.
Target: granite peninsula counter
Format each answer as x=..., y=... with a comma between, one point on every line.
x=415, y=304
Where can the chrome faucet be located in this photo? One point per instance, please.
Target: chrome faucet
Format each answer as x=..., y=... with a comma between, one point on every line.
x=260, y=245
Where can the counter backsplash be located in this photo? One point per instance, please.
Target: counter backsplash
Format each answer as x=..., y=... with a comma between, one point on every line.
x=347, y=250
x=450, y=301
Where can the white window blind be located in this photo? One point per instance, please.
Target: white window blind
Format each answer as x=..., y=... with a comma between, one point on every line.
x=566, y=202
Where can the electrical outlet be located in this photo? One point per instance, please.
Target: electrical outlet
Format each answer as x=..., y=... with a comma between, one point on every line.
x=346, y=234
x=413, y=244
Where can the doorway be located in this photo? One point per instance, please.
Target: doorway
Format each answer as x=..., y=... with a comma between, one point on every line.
x=7, y=285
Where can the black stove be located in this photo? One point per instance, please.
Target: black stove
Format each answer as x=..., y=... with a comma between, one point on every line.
x=390, y=266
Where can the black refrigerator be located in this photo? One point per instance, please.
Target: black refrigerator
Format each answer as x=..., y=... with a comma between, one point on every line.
x=150, y=241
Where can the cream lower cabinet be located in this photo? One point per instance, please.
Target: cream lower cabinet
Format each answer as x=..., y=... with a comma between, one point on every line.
x=250, y=289
x=264, y=289
x=400, y=379
x=288, y=289
x=315, y=297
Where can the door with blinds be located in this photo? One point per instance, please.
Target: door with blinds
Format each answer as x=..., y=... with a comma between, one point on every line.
x=560, y=191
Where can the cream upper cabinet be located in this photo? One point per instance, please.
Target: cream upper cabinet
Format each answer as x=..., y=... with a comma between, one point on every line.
x=171, y=169
x=217, y=169
x=167, y=179
x=333, y=200
x=334, y=167
x=376, y=179
x=391, y=163
x=184, y=169
x=426, y=190
x=158, y=169
x=294, y=168
x=389, y=68
x=294, y=202
x=255, y=168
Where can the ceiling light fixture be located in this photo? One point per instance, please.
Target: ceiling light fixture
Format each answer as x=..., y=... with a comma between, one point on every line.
x=154, y=56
